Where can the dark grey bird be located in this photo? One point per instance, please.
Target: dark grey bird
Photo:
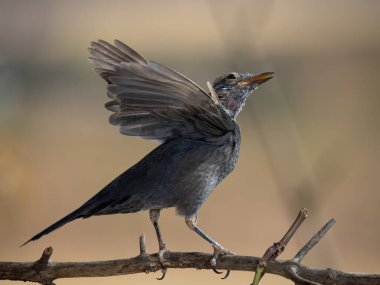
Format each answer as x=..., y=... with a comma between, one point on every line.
x=199, y=137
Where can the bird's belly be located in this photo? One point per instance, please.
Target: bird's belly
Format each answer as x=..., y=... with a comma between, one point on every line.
x=193, y=187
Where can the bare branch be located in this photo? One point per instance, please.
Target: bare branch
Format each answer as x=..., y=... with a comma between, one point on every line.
x=278, y=247
x=44, y=272
x=24, y=271
x=313, y=241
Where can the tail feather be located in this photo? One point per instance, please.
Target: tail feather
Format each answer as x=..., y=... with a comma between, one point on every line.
x=70, y=217
x=104, y=202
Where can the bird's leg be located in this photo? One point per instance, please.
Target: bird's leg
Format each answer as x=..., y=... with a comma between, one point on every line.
x=191, y=222
x=154, y=214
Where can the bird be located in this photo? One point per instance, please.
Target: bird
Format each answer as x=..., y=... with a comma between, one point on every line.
x=199, y=138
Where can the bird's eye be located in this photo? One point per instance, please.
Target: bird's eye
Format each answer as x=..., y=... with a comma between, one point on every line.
x=231, y=76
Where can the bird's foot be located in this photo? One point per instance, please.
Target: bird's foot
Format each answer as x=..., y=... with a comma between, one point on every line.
x=160, y=256
x=219, y=250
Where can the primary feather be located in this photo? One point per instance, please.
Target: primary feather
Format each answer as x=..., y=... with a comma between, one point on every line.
x=154, y=101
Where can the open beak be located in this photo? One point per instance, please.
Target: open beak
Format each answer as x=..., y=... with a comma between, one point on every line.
x=257, y=79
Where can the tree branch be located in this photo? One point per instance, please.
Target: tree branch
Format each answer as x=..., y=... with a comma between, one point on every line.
x=278, y=247
x=26, y=271
x=44, y=272
x=313, y=241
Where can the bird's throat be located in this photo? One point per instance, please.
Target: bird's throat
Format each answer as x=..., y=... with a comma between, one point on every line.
x=234, y=105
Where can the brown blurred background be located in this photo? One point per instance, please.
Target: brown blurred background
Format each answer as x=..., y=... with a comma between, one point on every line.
x=310, y=137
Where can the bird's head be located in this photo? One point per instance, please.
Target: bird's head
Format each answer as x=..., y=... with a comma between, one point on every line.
x=233, y=89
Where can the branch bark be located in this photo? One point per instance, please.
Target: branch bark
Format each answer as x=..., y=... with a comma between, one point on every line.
x=28, y=271
x=44, y=272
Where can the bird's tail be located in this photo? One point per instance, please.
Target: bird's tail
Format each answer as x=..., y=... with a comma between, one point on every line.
x=70, y=217
x=94, y=206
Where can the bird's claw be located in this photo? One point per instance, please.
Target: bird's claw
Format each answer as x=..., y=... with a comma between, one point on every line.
x=163, y=271
x=160, y=256
x=219, y=250
x=213, y=264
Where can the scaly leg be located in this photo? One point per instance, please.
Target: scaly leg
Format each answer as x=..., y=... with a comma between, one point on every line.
x=154, y=214
x=191, y=222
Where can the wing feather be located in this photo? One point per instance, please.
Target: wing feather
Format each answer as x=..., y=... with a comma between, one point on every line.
x=153, y=101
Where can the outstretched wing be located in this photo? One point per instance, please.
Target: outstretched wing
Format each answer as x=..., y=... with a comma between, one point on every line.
x=154, y=101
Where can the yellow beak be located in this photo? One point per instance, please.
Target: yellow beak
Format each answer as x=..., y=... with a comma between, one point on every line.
x=258, y=79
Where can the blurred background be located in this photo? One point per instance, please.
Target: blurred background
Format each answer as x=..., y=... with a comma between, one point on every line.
x=310, y=136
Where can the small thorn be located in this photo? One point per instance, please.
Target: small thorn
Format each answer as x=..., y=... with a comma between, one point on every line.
x=42, y=263
x=142, y=244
